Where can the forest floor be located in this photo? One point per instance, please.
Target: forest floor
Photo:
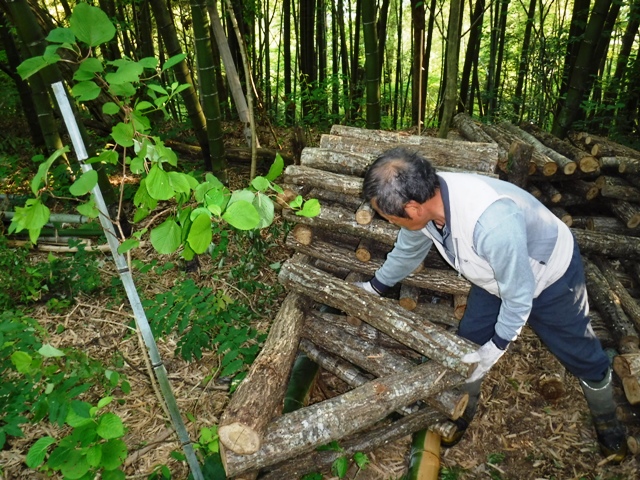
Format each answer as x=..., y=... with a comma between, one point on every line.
x=517, y=433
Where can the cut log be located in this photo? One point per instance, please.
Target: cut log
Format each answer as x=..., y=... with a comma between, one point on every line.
x=504, y=140
x=518, y=161
x=563, y=215
x=565, y=165
x=535, y=191
x=587, y=163
x=446, y=281
x=376, y=360
x=350, y=202
x=303, y=234
x=471, y=130
x=481, y=157
x=365, y=213
x=618, y=291
x=582, y=188
x=409, y=296
x=610, y=163
x=597, y=243
x=604, y=147
x=627, y=212
x=603, y=180
x=550, y=191
x=620, y=192
x=384, y=314
x=363, y=252
x=345, y=371
x=246, y=417
x=313, y=177
x=459, y=306
x=601, y=296
x=552, y=385
x=627, y=368
x=289, y=435
x=381, y=435
x=439, y=313
x=609, y=225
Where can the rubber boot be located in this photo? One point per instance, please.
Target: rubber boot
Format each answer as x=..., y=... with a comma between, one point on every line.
x=462, y=423
x=611, y=433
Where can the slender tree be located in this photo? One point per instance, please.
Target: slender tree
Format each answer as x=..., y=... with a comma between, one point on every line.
x=453, y=55
x=308, y=55
x=418, y=72
x=372, y=71
x=518, y=99
x=471, y=58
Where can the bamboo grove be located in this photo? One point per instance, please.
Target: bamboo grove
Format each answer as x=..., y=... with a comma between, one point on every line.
x=391, y=64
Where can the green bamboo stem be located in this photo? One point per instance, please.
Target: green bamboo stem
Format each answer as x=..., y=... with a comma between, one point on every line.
x=303, y=375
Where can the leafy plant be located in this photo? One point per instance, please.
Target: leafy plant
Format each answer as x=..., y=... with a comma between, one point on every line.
x=340, y=465
x=94, y=446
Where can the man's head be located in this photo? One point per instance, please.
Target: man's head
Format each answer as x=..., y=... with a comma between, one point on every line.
x=399, y=177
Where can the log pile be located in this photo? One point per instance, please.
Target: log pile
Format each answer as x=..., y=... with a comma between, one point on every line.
x=399, y=356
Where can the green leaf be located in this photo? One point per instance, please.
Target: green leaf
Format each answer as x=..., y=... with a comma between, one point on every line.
x=176, y=59
x=110, y=108
x=75, y=465
x=37, y=452
x=200, y=234
x=115, y=474
x=244, y=195
x=157, y=88
x=128, y=244
x=110, y=426
x=166, y=237
x=276, y=168
x=158, y=184
x=84, y=184
x=122, y=134
x=91, y=25
x=94, y=455
x=49, y=351
x=85, y=91
x=311, y=208
x=114, y=453
x=87, y=69
x=261, y=184
x=122, y=89
x=265, y=208
x=361, y=459
x=242, y=215
x=33, y=65
x=43, y=169
x=144, y=105
x=89, y=209
x=128, y=72
x=149, y=62
x=142, y=197
x=296, y=202
x=32, y=217
x=340, y=466
x=61, y=35
x=233, y=367
x=180, y=182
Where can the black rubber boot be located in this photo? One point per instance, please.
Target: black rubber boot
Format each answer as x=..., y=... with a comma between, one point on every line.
x=611, y=433
x=462, y=423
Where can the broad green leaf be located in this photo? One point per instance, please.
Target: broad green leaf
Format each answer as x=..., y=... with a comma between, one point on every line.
x=106, y=156
x=140, y=122
x=142, y=197
x=158, y=185
x=34, y=64
x=32, y=217
x=137, y=166
x=166, y=237
x=103, y=402
x=114, y=453
x=242, y=195
x=149, y=62
x=61, y=35
x=296, y=202
x=166, y=154
x=144, y=105
x=126, y=89
x=88, y=69
x=157, y=88
x=339, y=467
x=361, y=460
x=242, y=215
x=128, y=244
x=311, y=208
x=37, y=452
x=75, y=465
x=50, y=351
x=127, y=72
x=261, y=184
x=276, y=168
x=85, y=91
x=115, y=474
x=94, y=455
x=89, y=209
x=179, y=182
x=265, y=208
x=176, y=59
x=141, y=214
x=110, y=426
x=200, y=234
x=43, y=170
x=91, y=25
x=76, y=420
x=110, y=108
x=122, y=134
x=84, y=184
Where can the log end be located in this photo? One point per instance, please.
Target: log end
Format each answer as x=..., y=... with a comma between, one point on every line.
x=551, y=388
x=549, y=169
x=239, y=438
x=460, y=407
x=570, y=168
x=408, y=303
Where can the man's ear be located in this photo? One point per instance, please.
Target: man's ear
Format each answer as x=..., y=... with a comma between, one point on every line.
x=412, y=208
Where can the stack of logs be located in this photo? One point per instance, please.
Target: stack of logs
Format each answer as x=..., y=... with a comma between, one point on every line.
x=400, y=354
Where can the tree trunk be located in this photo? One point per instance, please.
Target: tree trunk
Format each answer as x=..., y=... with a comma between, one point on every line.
x=451, y=70
x=523, y=66
x=372, y=60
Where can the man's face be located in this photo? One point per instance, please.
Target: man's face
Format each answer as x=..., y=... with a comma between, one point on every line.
x=413, y=223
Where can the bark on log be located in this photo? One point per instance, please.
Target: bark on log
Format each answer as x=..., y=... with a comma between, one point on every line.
x=334, y=182
x=563, y=215
x=603, y=180
x=610, y=163
x=620, y=192
x=471, y=130
x=518, y=160
x=604, y=147
x=587, y=163
x=565, y=165
x=409, y=296
x=583, y=188
x=597, y=243
x=627, y=212
x=362, y=442
x=535, y=191
x=365, y=213
x=459, y=306
x=246, y=417
x=481, y=157
x=626, y=367
x=609, y=225
x=629, y=165
x=303, y=430
x=376, y=360
x=384, y=314
x=619, y=293
x=350, y=202
x=345, y=371
x=601, y=296
x=439, y=313
x=550, y=192
x=446, y=281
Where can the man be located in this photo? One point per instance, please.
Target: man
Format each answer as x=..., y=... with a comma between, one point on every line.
x=522, y=262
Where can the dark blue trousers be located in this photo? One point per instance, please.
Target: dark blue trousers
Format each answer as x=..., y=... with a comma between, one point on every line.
x=559, y=317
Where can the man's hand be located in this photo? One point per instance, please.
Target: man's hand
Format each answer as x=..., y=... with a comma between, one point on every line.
x=486, y=357
x=366, y=286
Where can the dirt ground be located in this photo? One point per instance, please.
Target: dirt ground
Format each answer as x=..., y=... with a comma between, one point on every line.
x=517, y=434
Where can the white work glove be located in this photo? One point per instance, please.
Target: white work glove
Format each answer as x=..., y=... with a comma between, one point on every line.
x=366, y=286
x=486, y=357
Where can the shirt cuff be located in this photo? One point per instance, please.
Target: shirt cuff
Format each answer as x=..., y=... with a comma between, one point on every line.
x=499, y=342
x=378, y=286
